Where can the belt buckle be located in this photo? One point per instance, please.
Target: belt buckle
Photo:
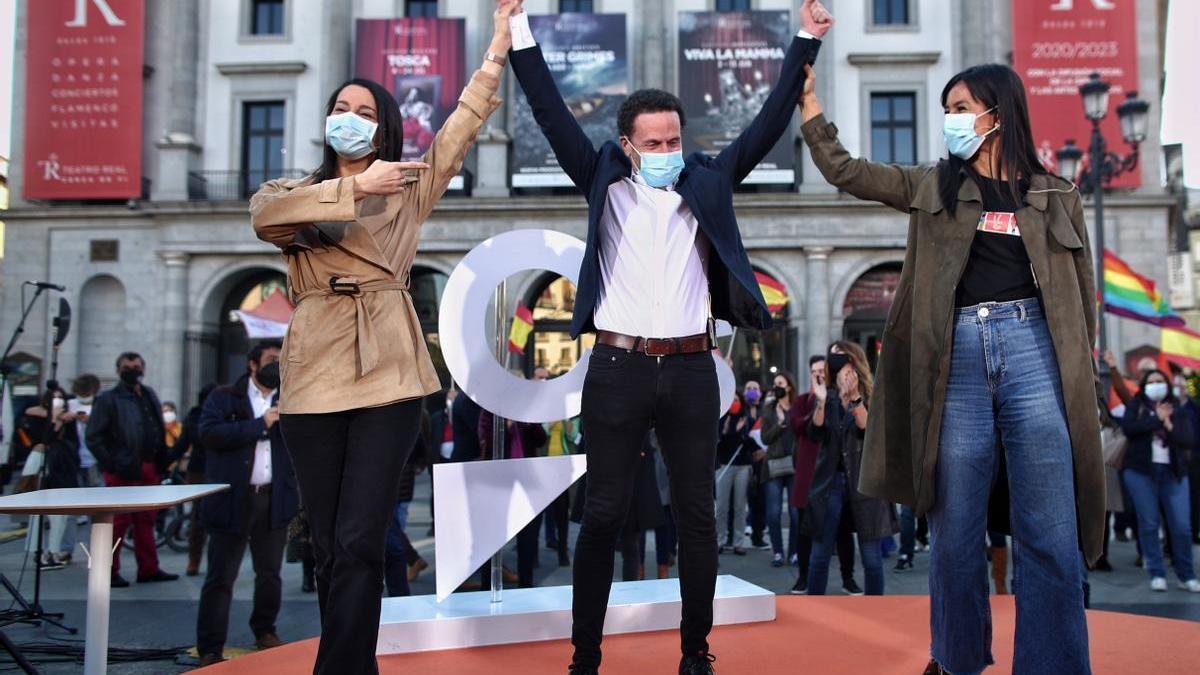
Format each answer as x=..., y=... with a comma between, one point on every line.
x=646, y=349
x=339, y=287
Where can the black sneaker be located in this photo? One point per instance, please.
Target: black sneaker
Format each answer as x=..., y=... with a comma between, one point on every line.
x=157, y=577
x=118, y=581
x=851, y=588
x=49, y=563
x=700, y=664
x=904, y=564
x=801, y=587
x=576, y=669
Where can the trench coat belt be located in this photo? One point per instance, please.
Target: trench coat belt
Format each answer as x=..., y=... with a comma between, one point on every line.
x=365, y=334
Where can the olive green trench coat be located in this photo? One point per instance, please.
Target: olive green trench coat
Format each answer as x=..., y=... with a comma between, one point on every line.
x=901, y=447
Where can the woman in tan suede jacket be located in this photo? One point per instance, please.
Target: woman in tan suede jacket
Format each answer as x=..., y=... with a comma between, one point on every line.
x=354, y=363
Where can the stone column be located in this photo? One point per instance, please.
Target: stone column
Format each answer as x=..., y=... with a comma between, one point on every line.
x=817, y=310
x=167, y=376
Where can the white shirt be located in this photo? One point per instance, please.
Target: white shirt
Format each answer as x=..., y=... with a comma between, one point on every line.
x=260, y=403
x=1160, y=453
x=653, y=264
x=653, y=259
x=86, y=459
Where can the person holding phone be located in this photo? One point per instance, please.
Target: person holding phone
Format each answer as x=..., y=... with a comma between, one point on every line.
x=355, y=364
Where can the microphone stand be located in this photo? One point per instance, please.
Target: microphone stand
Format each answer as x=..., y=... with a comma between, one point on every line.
x=32, y=612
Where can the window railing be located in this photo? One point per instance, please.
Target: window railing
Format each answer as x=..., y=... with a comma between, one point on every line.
x=232, y=186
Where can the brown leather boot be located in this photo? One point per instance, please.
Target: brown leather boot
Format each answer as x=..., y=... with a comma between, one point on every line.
x=1000, y=569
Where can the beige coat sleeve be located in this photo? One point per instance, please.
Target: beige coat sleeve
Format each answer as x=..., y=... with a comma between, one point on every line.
x=445, y=157
x=891, y=184
x=281, y=208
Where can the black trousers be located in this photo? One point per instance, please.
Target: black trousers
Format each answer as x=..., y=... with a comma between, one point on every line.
x=348, y=466
x=624, y=396
x=225, y=553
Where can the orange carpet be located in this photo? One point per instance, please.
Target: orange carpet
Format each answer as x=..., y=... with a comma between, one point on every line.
x=814, y=635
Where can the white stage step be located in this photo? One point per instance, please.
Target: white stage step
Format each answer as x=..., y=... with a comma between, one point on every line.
x=419, y=623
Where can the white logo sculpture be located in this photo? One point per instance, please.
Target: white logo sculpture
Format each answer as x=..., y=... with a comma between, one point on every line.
x=480, y=506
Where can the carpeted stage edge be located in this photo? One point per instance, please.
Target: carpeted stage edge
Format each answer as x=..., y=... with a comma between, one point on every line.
x=810, y=634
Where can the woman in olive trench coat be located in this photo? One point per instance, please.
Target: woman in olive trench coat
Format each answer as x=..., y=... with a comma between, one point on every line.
x=1035, y=390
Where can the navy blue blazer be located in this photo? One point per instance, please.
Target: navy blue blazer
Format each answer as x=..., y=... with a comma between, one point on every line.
x=230, y=434
x=706, y=183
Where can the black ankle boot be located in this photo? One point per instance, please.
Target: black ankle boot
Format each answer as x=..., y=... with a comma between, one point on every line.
x=699, y=664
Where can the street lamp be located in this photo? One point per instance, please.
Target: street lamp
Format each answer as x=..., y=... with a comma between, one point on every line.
x=1103, y=166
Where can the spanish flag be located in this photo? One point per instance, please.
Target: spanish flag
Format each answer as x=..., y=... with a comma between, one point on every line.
x=522, y=326
x=1181, y=346
x=773, y=292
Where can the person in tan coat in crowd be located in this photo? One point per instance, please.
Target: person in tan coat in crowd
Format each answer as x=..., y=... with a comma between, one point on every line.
x=354, y=363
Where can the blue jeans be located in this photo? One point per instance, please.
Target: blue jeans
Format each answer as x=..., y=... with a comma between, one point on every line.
x=1004, y=391
x=908, y=532
x=822, y=551
x=774, y=490
x=1148, y=492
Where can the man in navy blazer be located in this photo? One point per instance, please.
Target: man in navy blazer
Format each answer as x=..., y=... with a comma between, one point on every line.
x=664, y=256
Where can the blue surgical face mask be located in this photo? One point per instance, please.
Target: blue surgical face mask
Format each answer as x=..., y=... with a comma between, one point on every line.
x=959, y=132
x=659, y=169
x=350, y=136
x=1157, y=391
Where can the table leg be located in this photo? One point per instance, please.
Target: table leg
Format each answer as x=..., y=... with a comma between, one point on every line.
x=95, y=659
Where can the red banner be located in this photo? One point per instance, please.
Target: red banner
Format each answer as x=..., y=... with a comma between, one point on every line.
x=83, y=99
x=421, y=62
x=1057, y=45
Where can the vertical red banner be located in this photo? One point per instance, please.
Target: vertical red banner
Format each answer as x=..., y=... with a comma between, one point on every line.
x=1057, y=45
x=83, y=99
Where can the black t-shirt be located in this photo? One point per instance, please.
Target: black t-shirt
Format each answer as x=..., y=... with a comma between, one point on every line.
x=998, y=269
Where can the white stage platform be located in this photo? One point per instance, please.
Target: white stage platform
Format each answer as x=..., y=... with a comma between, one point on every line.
x=419, y=623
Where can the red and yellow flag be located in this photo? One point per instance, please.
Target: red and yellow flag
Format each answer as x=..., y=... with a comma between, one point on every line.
x=773, y=292
x=1181, y=346
x=522, y=326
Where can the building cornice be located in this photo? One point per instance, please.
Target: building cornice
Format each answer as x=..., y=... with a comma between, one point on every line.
x=263, y=68
x=894, y=58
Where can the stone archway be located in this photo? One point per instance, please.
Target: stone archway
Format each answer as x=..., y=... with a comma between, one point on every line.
x=100, y=326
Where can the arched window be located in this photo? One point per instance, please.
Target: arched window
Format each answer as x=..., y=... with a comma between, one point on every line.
x=101, y=326
x=867, y=305
x=233, y=343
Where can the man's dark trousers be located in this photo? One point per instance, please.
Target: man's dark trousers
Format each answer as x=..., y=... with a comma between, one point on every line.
x=225, y=553
x=624, y=396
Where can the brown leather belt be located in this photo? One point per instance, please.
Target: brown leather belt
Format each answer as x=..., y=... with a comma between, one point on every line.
x=691, y=344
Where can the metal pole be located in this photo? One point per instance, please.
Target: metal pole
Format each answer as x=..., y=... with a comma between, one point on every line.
x=1097, y=152
x=501, y=302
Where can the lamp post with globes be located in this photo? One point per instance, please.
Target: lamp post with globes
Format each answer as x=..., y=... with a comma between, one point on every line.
x=1103, y=166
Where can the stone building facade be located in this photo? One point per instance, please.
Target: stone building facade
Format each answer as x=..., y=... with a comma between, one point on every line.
x=161, y=275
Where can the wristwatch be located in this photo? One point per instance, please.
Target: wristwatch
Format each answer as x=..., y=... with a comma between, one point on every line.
x=498, y=60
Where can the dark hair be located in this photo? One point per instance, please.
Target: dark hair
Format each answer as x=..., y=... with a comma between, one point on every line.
x=171, y=405
x=815, y=359
x=791, y=380
x=129, y=356
x=998, y=87
x=261, y=346
x=85, y=384
x=645, y=101
x=389, y=137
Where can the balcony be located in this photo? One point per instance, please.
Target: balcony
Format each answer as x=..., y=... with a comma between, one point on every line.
x=231, y=186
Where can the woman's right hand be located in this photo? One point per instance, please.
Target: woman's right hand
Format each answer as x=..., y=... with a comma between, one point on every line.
x=385, y=178
x=810, y=106
x=502, y=38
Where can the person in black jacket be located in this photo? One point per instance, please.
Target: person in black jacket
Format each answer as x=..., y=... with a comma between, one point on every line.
x=651, y=306
x=125, y=433
x=1160, y=438
x=240, y=431
x=464, y=421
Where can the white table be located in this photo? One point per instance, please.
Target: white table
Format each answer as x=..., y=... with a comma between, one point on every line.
x=101, y=505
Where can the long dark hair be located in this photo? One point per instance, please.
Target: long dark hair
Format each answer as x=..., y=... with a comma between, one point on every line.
x=998, y=87
x=389, y=137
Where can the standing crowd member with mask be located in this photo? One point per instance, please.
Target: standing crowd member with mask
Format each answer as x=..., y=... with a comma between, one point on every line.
x=990, y=337
x=239, y=426
x=663, y=249
x=85, y=387
x=355, y=365
x=1160, y=437
x=778, y=466
x=733, y=476
x=125, y=432
x=807, y=451
x=839, y=421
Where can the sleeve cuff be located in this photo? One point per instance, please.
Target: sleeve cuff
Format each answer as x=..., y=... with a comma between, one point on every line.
x=818, y=129
x=522, y=36
x=480, y=94
x=806, y=35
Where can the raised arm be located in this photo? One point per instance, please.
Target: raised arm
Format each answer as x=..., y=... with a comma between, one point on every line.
x=890, y=184
x=574, y=150
x=740, y=157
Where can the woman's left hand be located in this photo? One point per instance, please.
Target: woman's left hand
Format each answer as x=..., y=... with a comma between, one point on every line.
x=502, y=39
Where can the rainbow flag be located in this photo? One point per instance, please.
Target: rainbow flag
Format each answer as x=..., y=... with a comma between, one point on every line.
x=773, y=292
x=1133, y=296
x=522, y=326
x=1181, y=346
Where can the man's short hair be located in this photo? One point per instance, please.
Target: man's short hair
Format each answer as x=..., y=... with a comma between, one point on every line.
x=645, y=101
x=129, y=356
x=815, y=359
x=85, y=385
x=261, y=346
